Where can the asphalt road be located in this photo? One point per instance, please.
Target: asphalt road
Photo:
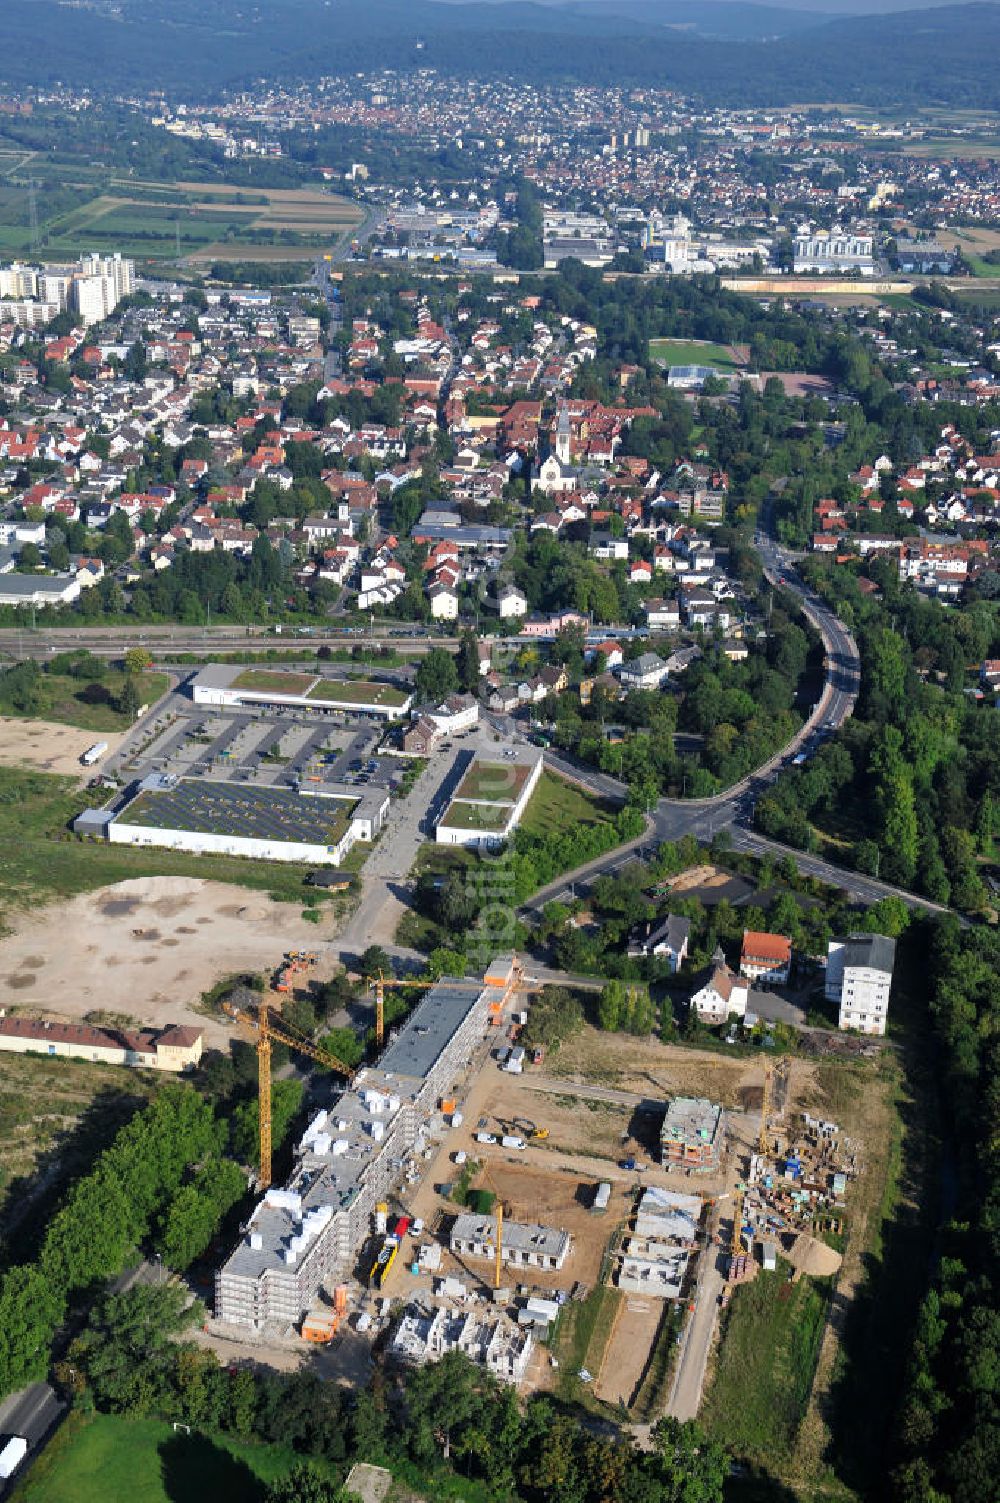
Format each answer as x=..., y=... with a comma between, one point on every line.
x=732, y=810
x=32, y=1413
x=696, y=1338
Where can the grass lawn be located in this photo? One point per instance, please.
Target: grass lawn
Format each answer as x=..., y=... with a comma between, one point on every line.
x=557, y=806
x=104, y=1457
x=469, y=816
x=274, y=681
x=582, y=1337
x=770, y=1343
x=692, y=352
x=42, y=859
x=93, y=706
x=493, y=782
x=359, y=692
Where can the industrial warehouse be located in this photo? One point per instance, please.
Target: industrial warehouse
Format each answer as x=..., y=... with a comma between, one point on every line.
x=225, y=687
x=310, y=1232
x=317, y=827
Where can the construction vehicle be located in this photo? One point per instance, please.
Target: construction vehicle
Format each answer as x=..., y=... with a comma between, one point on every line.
x=526, y=1127
x=320, y=1325
x=268, y=1034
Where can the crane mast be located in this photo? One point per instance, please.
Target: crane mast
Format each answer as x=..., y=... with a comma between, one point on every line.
x=264, y=1094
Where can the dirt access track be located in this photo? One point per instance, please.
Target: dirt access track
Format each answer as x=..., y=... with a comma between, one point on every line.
x=48, y=746
x=147, y=948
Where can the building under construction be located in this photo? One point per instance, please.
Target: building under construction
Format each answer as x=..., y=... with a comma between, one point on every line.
x=692, y=1133
x=308, y=1233
x=524, y=1246
x=490, y=1340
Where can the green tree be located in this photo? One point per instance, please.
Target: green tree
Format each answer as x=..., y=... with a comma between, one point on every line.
x=373, y=962
x=436, y=675
x=129, y=700
x=138, y=660
x=468, y=662
x=305, y=1483
x=611, y=1006
x=286, y=1103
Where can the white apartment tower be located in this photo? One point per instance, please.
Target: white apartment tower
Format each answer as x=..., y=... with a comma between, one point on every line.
x=859, y=979
x=91, y=289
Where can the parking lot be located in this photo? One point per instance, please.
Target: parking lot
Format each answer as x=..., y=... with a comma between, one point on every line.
x=273, y=748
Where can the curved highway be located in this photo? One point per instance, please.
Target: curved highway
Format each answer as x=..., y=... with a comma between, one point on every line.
x=733, y=809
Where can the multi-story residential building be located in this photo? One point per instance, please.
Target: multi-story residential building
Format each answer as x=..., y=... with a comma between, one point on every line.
x=310, y=1231
x=859, y=979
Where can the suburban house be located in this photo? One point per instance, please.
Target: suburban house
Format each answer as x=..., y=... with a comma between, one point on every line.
x=765, y=957
x=724, y=993
x=646, y=672
x=859, y=979
x=668, y=940
x=511, y=602
x=662, y=615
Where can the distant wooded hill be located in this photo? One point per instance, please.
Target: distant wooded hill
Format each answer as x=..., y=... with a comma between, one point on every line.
x=907, y=59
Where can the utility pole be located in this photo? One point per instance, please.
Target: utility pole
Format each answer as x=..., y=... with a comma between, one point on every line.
x=33, y=213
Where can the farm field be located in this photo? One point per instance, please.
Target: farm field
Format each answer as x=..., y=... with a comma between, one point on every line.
x=147, y=220
x=103, y=1456
x=695, y=352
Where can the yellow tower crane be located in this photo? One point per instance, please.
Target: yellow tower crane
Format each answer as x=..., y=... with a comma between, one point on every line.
x=765, y=1103
x=268, y=1035
x=498, y=1213
x=381, y=983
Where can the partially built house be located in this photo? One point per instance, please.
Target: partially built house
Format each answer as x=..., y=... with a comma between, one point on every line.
x=523, y=1246
x=655, y=1255
x=692, y=1134
x=492, y=1341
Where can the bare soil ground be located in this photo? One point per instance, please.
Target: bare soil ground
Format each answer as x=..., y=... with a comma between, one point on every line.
x=50, y=747
x=711, y=884
x=147, y=948
x=628, y=1349
x=649, y=1068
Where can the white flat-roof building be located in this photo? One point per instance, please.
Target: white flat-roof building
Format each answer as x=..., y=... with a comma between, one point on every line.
x=315, y=827
x=834, y=250
x=226, y=686
x=490, y=802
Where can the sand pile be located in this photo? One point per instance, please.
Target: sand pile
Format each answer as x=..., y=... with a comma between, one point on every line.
x=809, y=1255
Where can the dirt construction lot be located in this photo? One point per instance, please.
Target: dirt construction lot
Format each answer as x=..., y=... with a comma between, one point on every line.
x=147, y=948
x=50, y=747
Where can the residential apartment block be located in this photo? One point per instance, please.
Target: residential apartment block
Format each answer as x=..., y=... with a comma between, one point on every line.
x=859, y=979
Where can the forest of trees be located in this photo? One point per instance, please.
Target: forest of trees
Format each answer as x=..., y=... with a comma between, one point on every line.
x=876, y=59
x=948, y=1434
x=912, y=779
